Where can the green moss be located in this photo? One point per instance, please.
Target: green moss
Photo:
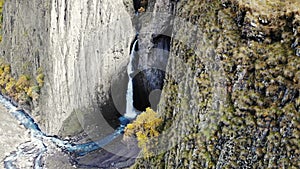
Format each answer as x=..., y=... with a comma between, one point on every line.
x=261, y=109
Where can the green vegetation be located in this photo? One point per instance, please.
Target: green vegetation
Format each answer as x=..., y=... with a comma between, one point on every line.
x=23, y=89
x=144, y=128
x=257, y=123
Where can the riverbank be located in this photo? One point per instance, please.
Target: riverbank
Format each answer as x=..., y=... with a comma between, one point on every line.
x=37, y=150
x=11, y=134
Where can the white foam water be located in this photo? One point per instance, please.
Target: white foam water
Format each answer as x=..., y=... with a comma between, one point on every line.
x=131, y=112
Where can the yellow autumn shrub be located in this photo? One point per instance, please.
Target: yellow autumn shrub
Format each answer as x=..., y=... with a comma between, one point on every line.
x=24, y=88
x=23, y=83
x=33, y=92
x=11, y=86
x=40, y=79
x=144, y=129
x=7, y=69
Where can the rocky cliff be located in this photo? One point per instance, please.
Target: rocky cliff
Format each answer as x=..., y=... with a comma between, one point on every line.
x=231, y=96
x=80, y=45
x=89, y=43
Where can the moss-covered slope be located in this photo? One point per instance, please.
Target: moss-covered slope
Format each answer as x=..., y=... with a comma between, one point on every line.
x=231, y=98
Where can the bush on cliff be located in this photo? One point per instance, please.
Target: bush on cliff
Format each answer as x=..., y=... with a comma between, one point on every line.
x=144, y=128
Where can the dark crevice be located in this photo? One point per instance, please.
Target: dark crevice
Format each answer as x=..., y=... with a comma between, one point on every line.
x=240, y=18
x=137, y=4
x=162, y=42
x=144, y=83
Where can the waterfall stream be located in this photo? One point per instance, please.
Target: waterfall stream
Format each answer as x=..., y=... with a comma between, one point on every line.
x=40, y=141
x=131, y=112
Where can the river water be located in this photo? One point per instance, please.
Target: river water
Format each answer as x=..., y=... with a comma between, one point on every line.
x=11, y=134
x=25, y=145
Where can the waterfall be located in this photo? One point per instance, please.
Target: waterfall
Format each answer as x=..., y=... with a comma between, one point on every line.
x=36, y=147
x=131, y=112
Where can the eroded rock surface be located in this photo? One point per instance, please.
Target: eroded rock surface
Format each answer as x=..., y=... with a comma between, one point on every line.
x=231, y=98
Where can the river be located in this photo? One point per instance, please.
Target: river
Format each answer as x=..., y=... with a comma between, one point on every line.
x=25, y=145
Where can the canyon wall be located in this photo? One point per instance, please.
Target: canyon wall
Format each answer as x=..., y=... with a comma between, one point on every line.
x=89, y=43
x=231, y=92
x=80, y=45
x=231, y=95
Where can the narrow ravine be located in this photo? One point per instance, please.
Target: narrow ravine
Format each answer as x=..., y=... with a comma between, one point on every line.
x=33, y=150
x=31, y=153
x=36, y=147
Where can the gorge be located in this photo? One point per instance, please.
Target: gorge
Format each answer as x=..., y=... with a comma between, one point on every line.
x=223, y=75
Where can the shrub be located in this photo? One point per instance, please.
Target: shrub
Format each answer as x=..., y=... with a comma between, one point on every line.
x=23, y=97
x=23, y=89
x=33, y=92
x=7, y=69
x=144, y=128
x=11, y=86
x=23, y=83
x=40, y=79
x=1, y=71
x=4, y=80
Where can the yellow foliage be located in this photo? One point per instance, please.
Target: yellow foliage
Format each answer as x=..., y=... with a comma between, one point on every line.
x=22, y=89
x=33, y=92
x=4, y=69
x=1, y=3
x=4, y=80
x=23, y=83
x=10, y=86
x=40, y=79
x=141, y=9
x=7, y=69
x=22, y=96
x=3, y=91
x=144, y=128
x=130, y=127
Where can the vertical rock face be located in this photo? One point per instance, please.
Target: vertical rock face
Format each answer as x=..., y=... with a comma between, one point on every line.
x=154, y=34
x=89, y=43
x=25, y=35
x=231, y=96
x=81, y=46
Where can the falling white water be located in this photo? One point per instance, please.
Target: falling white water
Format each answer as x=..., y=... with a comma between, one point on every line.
x=131, y=112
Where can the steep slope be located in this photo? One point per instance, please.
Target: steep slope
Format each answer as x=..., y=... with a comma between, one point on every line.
x=89, y=44
x=80, y=46
x=231, y=96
